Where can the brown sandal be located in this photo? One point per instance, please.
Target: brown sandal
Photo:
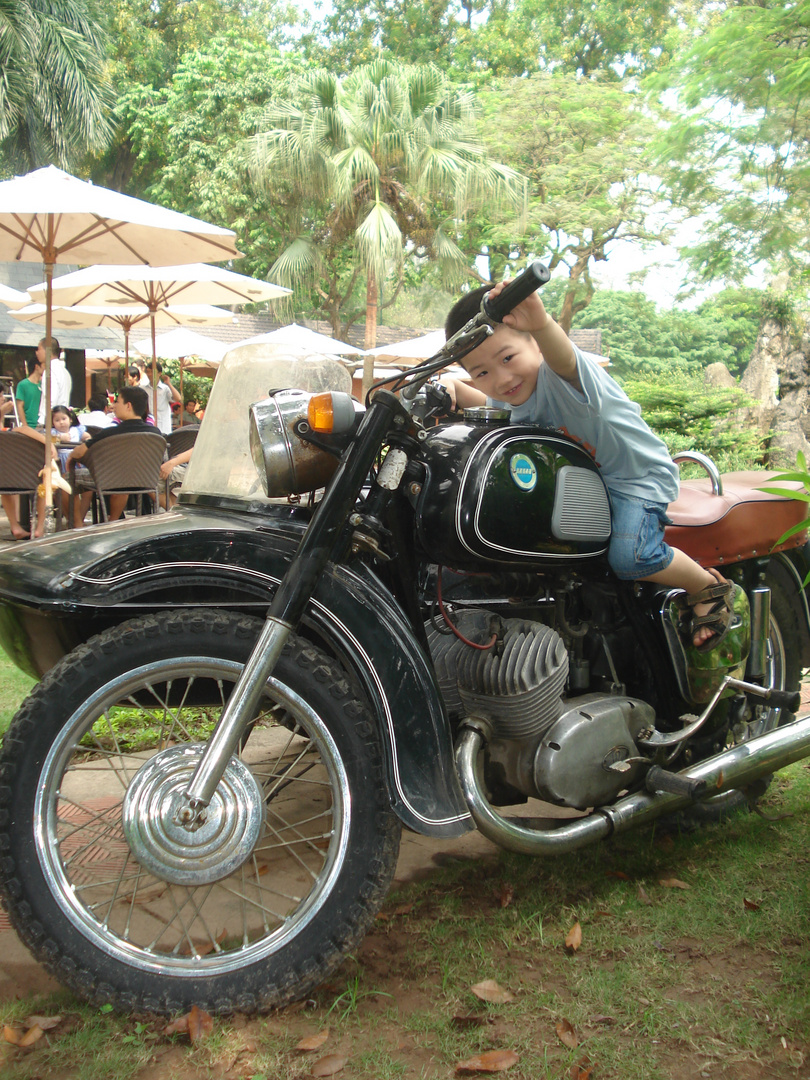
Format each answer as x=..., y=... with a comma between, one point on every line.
x=717, y=619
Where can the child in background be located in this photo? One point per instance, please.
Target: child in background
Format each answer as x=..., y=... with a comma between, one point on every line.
x=67, y=431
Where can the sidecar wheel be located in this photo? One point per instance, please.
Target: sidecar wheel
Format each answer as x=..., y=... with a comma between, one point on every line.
x=303, y=888
x=784, y=673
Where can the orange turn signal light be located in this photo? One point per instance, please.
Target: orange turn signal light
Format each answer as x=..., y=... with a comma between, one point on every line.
x=321, y=413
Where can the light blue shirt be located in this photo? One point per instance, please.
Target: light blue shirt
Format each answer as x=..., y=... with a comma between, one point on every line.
x=632, y=459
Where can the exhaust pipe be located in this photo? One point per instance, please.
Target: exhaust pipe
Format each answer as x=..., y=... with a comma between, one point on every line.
x=734, y=768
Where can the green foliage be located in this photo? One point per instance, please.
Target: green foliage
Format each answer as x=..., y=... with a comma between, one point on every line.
x=384, y=162
x=688, y=415
x=640, y=339
x=739, y=149
x=54, y=91
x=187, y=140
x=584, y=146
x=740, y=313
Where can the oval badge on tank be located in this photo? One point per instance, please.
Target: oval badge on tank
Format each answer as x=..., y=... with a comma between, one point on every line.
x=523, y=471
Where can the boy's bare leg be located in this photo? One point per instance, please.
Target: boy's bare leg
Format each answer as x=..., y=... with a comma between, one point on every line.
x=685, y=573
x=81, y=504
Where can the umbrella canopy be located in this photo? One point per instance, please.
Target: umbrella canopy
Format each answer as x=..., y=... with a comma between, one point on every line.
x=125, y=318
x=154, y=288
x=179, y=343
x=157, y=287
x=48, y=212
x=304, y=338
x=418, y=348
x=13, y=298
x=49, y=215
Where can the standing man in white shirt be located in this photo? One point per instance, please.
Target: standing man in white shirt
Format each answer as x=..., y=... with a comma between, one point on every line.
x=61, y=382
x=166, y=394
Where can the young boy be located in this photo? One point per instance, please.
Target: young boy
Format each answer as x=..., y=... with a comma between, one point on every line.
x=131, y=408
x=530, y=365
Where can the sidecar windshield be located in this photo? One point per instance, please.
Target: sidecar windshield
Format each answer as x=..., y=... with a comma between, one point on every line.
x=221, y=463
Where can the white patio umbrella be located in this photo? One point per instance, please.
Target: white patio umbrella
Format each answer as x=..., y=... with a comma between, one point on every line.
x=13, y=298
x=415, y=349
x=181, y=343
x=125, y=318
x=304, y=338
x=154, y=288
x=49, y=215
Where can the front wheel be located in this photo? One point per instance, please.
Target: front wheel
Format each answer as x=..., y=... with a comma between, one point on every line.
x=110, y=893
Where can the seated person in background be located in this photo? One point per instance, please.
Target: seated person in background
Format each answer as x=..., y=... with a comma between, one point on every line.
x=131, y=408
x=67, y=432
x=11, y=503
x=134, y=379
x=99, y=414
x=194, y=411
x=175, y=471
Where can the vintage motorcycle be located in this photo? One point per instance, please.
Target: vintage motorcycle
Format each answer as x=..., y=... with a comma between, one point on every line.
x=201, y=807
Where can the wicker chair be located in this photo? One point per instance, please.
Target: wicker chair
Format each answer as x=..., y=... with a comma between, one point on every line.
x=129, y=462
x=21, y=460
x=182, y=438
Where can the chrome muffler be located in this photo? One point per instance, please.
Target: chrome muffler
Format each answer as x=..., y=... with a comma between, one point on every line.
x=734, y=768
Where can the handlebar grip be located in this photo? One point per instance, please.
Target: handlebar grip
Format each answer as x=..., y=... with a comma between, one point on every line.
x=527, y=281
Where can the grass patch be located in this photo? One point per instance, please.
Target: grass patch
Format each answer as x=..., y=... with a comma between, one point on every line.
x=14, y=686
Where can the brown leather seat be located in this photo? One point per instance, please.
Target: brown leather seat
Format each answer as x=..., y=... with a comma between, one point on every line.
x=741, y=523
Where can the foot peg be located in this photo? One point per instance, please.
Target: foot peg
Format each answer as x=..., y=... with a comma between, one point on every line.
x=659, y=779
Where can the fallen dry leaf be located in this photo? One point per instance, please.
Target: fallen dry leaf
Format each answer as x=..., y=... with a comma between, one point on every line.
x=471, y=1020
x=313, y=1042
x=31, y=1036
x=45, y=1022
x=489, y=1062
x=507, y=895
x=573, y=939
x=749, y=905
x=620, y=874
x=566, y=1034
x=329, y=1065
x=11, y=1035
x=200, y=1024
x=673, y=883
x=489, y=990
x=642, y=895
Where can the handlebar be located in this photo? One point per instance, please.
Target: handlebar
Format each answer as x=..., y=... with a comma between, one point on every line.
x=527, y=281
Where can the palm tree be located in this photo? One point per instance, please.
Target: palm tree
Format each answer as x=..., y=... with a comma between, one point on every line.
x=54, y=95
x=390, y=151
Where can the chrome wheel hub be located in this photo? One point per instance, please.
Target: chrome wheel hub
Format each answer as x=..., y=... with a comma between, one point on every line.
x=220, y=841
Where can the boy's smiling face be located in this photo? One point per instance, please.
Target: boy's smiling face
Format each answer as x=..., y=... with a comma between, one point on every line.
x=505, y=365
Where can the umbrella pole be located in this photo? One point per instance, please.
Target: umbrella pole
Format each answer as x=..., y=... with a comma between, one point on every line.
x=154, y=368
x=48, y=266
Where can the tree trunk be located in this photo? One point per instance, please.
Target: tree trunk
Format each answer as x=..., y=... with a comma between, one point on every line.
x=370, y=340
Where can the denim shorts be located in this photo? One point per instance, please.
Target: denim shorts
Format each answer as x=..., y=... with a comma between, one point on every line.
x=637, y=547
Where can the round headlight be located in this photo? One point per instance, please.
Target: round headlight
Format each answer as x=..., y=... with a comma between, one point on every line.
x=286, y=464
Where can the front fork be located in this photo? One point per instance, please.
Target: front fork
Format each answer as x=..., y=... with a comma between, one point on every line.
x=317, y=547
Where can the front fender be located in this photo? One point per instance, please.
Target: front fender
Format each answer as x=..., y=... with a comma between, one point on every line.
x=64, y=592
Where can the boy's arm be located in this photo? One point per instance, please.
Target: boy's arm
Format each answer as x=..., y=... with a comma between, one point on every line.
x=462, y=394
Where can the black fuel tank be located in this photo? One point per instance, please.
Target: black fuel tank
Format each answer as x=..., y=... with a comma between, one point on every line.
x=515, y=494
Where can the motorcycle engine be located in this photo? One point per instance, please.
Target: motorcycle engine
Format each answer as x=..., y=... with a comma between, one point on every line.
x=570, y=752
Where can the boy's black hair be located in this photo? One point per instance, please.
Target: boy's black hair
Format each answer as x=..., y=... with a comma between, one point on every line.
x=133, y=372
x=464, y=309
x=31, y=365
x=97, y=402
x=137, y=398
